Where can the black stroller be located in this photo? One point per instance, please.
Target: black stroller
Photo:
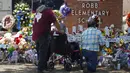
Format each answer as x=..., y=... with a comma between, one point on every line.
x=70, y=51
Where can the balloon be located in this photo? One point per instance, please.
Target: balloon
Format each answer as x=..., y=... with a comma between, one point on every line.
x=128, y=20
x=65, y=10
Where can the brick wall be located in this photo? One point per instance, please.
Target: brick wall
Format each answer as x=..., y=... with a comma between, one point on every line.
x=115, y=8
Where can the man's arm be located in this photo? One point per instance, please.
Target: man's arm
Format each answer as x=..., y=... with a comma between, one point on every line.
x=54, y=20
x=56, y=23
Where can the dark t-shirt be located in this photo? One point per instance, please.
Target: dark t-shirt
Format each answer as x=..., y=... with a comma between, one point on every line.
x=43, y=25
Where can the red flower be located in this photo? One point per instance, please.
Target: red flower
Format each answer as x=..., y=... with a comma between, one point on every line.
x=17, y=40
x=0, y=38
x=20, y=36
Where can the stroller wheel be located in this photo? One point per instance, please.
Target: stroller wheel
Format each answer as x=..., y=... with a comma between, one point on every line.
x=84, y=65
x=81, y=65
x=51, y=65
x=68, y=67
x=85, y=70
x=36, y=62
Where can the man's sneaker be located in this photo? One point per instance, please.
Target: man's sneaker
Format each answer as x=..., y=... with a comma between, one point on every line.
x=85, y=70
x=39, y=71
x=46, y=71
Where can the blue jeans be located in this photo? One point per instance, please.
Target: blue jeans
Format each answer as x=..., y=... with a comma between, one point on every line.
x=91, y=59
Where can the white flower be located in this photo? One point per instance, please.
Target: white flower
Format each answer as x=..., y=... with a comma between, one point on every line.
x=26, y=17
x=27, y=8
x=27, y=13
x=23, y=11
x=22, y=4
x=17, y=5
x=18, y=11
x=15, y=10
x=23, y=22
x=20, y=8
x=112, y=26
x=14, y=15
x=21, y=18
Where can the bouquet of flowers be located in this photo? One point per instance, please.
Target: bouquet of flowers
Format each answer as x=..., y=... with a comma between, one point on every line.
x=22, y=14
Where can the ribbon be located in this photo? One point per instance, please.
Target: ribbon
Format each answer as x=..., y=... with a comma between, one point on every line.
x=19, y=16
x=18, y=26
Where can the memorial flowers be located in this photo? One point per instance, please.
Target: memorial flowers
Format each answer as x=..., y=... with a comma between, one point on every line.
x=22, y=14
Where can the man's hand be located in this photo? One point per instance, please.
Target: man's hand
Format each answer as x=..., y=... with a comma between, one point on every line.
x=57, y=25
x=53, y=28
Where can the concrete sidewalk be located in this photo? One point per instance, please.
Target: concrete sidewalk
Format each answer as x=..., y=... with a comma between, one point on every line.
x=29, y=68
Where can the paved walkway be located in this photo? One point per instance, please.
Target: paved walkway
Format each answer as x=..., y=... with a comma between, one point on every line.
x=29, y=68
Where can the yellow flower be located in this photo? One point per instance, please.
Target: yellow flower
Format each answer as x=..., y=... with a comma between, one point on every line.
x=32, y=46
x=113, y=36
x=27, y=47
x=121, y=41
x=32, y=15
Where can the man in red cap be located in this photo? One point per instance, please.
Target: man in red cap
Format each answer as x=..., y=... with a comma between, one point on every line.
x=41, y=33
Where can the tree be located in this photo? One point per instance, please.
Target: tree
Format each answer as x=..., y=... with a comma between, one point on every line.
x=55, y=4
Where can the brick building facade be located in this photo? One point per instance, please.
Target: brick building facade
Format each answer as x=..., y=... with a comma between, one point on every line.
x=109, y=10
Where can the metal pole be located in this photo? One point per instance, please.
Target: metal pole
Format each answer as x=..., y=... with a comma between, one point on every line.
x=32, y=5
x=11, y=7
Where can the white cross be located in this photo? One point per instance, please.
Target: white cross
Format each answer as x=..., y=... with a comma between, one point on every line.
x=38, y=16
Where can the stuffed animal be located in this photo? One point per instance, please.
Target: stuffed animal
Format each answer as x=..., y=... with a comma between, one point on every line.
x=14, y=56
